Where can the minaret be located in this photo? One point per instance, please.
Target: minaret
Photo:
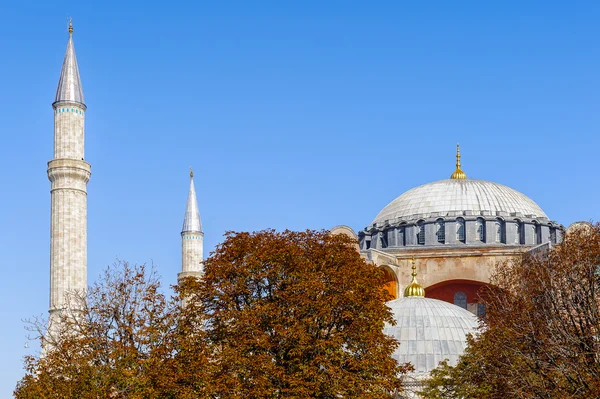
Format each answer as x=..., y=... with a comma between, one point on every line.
x=69, y=175
x=192, y=237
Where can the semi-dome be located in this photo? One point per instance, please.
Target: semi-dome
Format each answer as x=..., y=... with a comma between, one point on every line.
x=456, y=196
x=429, y=331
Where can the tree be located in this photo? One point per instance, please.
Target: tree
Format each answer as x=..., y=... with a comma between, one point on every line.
x=294, y=314
x=541, y=336
x=276, y=315
x=117, y=341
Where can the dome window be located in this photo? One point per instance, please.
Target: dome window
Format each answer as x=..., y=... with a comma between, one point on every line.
x=519, y=233
x=383, y=240
x=401, y=242
x=391, y=238
x=440, y=231
x=480, y=229
x=460, y=229
x=537, y=233
x=552, y=235
x=421, y=233
x=499, y=228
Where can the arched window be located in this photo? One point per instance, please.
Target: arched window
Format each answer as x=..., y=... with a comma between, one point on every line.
x=552, y=235
x=383, y=240
x=460, y=299
x=460, y=229
x=391, y=237
x=480, y=229
x=401, y=241
x=536, y=233
x=421, y=233
x=440, y=231
x=499, y=229
x=519, y=232
x=481, y=310
x=389, y=282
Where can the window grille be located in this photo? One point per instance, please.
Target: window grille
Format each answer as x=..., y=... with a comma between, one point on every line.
x=536, y=233
x=499, y=231
x=460, y=230
x=421, y=233
x=481, y=310
x=553, y=235
x=480, y=228
x=460, y=299
x=440, y=231
x=401, y=237
x=519, y=233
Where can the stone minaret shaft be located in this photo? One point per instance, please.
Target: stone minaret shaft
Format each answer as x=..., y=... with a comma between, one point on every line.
x=69, y=175
x=192, y=238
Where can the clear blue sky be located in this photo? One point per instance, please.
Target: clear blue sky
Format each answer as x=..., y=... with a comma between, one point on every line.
x=296, y=115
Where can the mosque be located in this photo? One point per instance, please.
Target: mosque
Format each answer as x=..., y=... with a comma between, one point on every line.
x=452, y=231
x=458, y=229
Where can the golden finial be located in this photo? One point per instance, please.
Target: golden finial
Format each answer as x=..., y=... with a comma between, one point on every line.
x=458, y=173
x=191, y=173
x=70, y=26
x=414, y=289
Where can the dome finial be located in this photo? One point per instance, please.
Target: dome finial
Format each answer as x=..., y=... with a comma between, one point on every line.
x=414, y=289
x=191, y=173
x=70, y=26
x=458, y=173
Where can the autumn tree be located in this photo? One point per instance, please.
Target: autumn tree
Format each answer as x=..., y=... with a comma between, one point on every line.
x=294, y=315
x=541, y=336
x=118, y=341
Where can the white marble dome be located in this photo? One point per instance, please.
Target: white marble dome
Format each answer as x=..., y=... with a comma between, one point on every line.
x=429, y=331
x=445, y=197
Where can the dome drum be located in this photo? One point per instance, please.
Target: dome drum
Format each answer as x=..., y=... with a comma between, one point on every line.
x=460, y=211
x=469, y=230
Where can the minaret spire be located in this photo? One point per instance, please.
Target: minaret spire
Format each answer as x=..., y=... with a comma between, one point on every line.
x=191, y=220
x=192, y=237
x=69, y=85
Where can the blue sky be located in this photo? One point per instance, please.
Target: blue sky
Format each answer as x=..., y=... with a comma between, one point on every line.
x=293, y=115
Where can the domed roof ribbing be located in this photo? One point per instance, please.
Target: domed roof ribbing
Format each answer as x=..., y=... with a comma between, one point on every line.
x=429, y=331
x=452, y=195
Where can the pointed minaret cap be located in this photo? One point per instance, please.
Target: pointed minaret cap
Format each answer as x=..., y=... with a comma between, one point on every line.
x=458, y=173
x=191, y=221
x=414, y=289
x=69, y=85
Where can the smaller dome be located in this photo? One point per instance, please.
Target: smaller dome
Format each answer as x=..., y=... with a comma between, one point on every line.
x=429, y=331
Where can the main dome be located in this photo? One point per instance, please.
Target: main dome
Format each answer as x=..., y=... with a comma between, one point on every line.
x=444, y=197
x=429, y=331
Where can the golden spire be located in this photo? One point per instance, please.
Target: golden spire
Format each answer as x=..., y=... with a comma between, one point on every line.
x=458, y=173
x=70, y=26
x=414, y=289
x=191, y=173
